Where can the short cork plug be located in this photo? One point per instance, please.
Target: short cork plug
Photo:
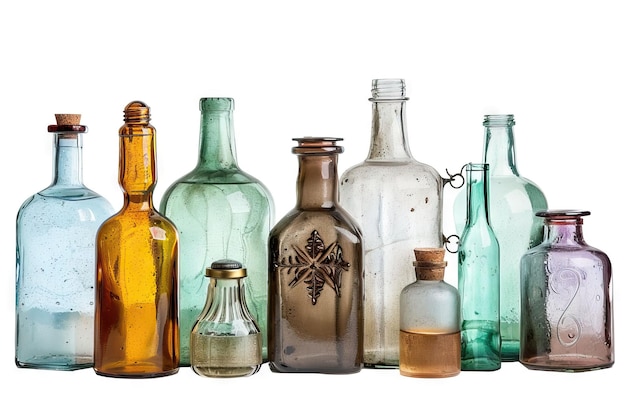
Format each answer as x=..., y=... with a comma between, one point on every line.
x=67, y=124
x=67, y=119
x=429, y=263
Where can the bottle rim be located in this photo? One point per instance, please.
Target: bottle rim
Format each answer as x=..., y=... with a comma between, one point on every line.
x=499, y=120
x=560, y=214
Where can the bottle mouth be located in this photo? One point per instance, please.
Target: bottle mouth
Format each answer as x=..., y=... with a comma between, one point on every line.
x=388, y=89
x=562, y=214
x=499, y=120
x=67, y=128
x=226, y=268
x=311, y=145
x=137, y=112
x=217, y=104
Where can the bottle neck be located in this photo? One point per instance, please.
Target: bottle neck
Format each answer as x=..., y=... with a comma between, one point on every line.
x=317, y=181
x=389, y=134
x=564, y=232
x=499, y=142
x=137, y=173
x=477, y=194
x=217, y=138
x=226, y=299
x=68, y=160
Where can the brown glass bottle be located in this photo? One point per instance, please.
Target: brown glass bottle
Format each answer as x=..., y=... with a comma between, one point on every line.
x=315, y=313
x=136, y=314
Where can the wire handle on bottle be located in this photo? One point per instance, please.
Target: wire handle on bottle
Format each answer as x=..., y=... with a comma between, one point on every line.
x=456, y=181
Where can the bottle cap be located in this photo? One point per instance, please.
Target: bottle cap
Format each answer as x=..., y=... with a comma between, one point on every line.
x=226, y=268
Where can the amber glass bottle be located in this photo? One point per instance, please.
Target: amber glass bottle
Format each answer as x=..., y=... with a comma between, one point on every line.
x=315, y=312
x=136, y=318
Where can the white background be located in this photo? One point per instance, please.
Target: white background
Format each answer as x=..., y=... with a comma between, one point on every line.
x=305, y=68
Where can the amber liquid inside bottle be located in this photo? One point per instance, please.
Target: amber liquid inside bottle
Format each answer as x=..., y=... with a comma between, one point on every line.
x=136, y=315
x=430, y=355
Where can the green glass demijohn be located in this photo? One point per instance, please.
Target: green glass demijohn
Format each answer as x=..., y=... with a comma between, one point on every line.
x=221, y=212
x=513, y=202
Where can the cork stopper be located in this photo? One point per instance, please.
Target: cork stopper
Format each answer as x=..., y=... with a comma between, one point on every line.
x=67, y=123
x=67, y=119
x=429, y=263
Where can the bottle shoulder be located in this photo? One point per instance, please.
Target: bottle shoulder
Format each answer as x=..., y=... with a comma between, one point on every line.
x=431, y=290
x=372, y=169
x=198, y=180
x=297, y=220
x=134, y=219
x=89, y=207
x=230, y=196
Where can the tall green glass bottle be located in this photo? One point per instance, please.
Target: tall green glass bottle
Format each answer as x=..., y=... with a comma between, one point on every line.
x=513, y=202
x=221, y=212
x=479, y=278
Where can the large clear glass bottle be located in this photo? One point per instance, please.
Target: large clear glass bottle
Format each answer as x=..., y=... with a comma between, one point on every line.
x=479, y=278
x=225, y=340
x=397, y=202
x=221, y=212
x=136, y=325
x=316, y=273
x=514, y=200
x=430, y=341
x=55, y=262
x=567, y=292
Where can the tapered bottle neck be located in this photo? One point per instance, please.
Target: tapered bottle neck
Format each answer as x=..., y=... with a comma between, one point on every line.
x=137, y=166
x=68, y=160
x=226, y=293
x=317, y=185
x=217, y=137
x=563, y=228
x=499, y=151
x=389, y=140
x=477, y=194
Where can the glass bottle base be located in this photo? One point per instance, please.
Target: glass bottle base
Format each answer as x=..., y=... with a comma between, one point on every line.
x=137, y=371
x=569, y=363
x=226, y=372
x=55, y=363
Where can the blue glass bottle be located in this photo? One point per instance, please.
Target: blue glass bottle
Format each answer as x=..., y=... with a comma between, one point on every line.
x=479, y=278
x=55, y=260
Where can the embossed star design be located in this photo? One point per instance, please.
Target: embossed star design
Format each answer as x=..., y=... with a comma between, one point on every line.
x=316, y=266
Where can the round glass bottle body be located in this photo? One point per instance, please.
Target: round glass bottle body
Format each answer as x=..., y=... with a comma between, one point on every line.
x=513, y=202
x=55, y=262
x=316, y=273
x=567, y=314
x=136, y=320
x=430, y=341
x=221, y=212
x=479, y=278
x=225, y=340
x=397, y=203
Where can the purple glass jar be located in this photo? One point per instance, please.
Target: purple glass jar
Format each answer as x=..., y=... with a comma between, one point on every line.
x=566, y=299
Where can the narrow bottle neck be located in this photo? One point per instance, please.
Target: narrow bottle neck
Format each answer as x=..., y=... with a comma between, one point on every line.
x=138, y=173
x=499, y=142
x=564, y=232
x=68, y=160
x=226, y=299
x=317, y=181
x=217, y=138
x=389, y=139
x=477, y=194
